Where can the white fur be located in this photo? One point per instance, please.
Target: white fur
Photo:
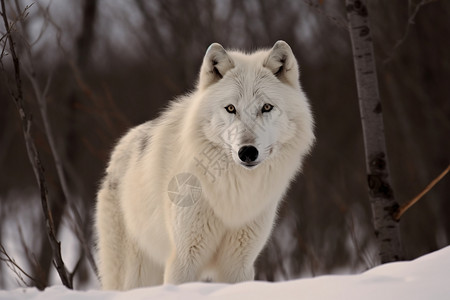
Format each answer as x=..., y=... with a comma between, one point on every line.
x=144, y=238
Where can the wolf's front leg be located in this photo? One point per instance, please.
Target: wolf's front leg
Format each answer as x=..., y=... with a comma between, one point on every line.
x=196, y=235
x=180, y=269
x=236, y=256
x=240, y=248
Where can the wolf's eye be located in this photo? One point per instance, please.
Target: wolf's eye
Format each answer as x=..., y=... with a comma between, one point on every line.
x=266, y=107
x=230, y=108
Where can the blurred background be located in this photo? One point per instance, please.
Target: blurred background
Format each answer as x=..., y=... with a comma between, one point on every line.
x=104, y=66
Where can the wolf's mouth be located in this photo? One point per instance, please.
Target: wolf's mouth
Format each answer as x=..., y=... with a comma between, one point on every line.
x=249, y=165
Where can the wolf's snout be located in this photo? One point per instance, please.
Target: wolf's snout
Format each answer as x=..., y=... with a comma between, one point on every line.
x=248, y=154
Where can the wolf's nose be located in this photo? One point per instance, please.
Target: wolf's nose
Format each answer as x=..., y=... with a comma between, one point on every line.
x=248, y=153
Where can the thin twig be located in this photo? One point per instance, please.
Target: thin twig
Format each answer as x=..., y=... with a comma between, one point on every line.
x=410, y=22
x=403, y=208
x=12, y=264
x=361, y=253
x=48, y=18
x=3, y=48
x=37, y=268
x=42, y=104
x=340, y=22
x=78, y=264
x=35, y=160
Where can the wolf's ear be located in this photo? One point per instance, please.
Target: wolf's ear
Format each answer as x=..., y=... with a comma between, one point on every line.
x=282, y=63
x=215, y=64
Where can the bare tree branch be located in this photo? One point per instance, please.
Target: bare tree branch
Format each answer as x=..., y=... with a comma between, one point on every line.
x=339, y=22
x=38, y=271
x=21, y=16
x=361, y=253
x=48, y=18
x=403, y=208
x=35, y=160
x=410, y=22
x=42, y=104
x=78, y=264
x=19, y=271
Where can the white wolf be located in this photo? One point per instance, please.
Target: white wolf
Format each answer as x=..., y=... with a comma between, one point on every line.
x=231, y=148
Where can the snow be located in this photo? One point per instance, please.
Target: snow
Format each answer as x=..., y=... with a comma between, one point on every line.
x=427, y=277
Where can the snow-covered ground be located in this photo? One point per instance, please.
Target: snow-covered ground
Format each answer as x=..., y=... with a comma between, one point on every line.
x=427, y=277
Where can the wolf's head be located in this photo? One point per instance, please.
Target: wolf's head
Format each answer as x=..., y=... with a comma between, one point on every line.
x=251, y=104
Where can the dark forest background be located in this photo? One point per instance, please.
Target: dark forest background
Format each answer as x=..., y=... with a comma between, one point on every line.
x=104, y=66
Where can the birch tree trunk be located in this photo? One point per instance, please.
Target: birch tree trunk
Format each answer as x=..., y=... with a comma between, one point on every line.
x=381, y=194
